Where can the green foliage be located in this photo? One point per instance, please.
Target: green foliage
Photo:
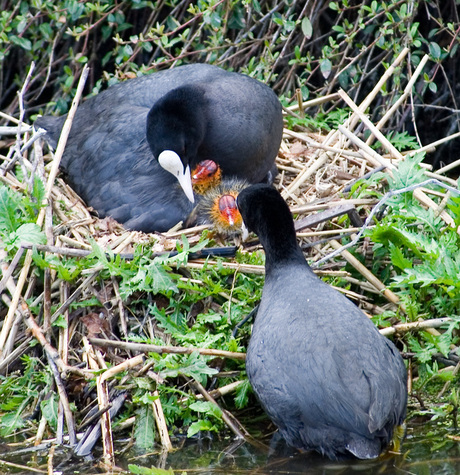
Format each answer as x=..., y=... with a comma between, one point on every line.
x=18, y=212
x=284, y=44
x=19, y=392
x=193, y=366
x=417, y=256
x=138, y=470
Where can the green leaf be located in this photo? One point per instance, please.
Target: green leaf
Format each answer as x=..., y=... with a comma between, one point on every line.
x=435, y=51
x=49, y=409
x=398, y=237
x=433, y=87
x=161, y=279
x=326, y=67
x=409, y=172
x=8, y=206
x=202, y=425
x=242, y=394
x=193, y=366
x=144, y=428
x=30, y=232
x=11, y=422
x=138, y=470
x=207, y=407
x=24, y=43
x=307, y=28
x=398, y=259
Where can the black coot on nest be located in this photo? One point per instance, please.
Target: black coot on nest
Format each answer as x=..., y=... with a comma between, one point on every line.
x=175, y=118
x=322, y=371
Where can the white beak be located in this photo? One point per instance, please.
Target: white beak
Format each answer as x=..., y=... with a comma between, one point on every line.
x=172, y=163
x=244, y=232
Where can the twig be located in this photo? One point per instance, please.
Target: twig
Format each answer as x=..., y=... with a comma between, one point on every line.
x=127, y=364
x=415, y=326
x=367, y=274
x=452, y=165
x=225, y=415
x=96, y=361
x=161, y=423
x=370, y=154
x=7, y=270
x=313, y=102
x=147, y=348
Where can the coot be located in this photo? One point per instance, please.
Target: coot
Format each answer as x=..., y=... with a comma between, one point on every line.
x=322, y=371
x=177, y=117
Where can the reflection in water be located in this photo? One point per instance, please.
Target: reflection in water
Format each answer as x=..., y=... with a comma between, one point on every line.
x=427, y=449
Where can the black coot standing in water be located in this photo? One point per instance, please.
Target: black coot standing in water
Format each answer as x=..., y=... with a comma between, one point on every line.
x=322, y=371
x=130, y=144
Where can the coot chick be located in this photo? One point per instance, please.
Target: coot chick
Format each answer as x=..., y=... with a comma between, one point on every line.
x=217, y=206
x=175, y=117
x=322, y=371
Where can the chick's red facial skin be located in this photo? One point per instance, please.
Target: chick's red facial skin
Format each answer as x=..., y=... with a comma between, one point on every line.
x=228, y=211
x=205, y=175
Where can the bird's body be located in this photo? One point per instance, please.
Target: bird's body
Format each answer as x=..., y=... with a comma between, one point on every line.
x=197, y=111
x=322, y=371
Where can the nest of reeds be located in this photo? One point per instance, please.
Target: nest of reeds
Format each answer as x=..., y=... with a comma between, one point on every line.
x=317, y=171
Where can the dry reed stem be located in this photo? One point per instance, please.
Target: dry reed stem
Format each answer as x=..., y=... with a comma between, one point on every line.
x=147, y=348
x=407, y=90
x=161, y=423
x=313, y=102
x=415, y=326
x=367, y=274
x=96, y=362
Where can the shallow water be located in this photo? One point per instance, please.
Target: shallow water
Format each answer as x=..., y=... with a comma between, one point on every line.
x=427, y=449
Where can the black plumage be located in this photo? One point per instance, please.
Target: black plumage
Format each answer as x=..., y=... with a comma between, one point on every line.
x=322, y=371
x=198, y=111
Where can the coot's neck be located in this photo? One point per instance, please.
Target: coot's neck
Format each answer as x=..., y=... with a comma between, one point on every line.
x=281, y=250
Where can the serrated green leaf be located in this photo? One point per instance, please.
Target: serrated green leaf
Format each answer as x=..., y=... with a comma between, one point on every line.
x=8, y=206
x=28, y=232
x=193, y=366
x=398, y=259
x=242, y=394
x=409, y=172
x=398, y=237
x=49, y=409
x=161, y=279
x=144, y=428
